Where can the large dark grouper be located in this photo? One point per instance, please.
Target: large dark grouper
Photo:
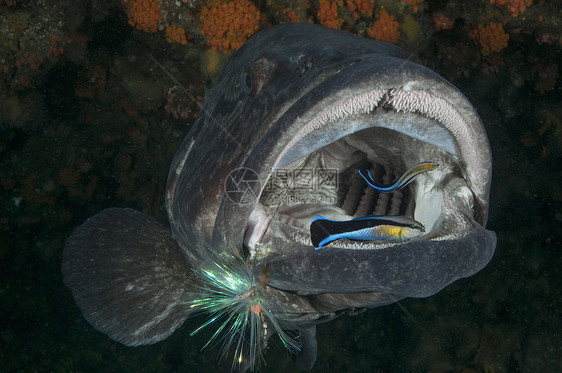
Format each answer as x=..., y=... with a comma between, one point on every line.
x=303, y=130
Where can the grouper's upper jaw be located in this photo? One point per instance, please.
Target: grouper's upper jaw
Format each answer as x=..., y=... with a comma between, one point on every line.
x=387, y=120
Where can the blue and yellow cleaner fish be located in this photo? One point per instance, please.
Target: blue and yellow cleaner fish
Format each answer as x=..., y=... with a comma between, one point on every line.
x=371, y=228
x=402, y=181
x=368, y=228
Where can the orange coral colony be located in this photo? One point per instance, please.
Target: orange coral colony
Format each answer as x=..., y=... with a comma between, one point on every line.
x=515, y=7
x=175, y=34
x=491, y=37
x=414, y=3
x=385, y=28
x=143, y=14
x=328, y=13
x=364, y=7
x=442, y=22
x=228, y=25
x=291, y=15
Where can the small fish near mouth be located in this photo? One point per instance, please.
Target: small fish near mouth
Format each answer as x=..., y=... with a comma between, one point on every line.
x=368, y=228
x=372, y=228
x=306, y=101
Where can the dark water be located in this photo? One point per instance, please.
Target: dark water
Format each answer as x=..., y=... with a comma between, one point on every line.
x=91, y=131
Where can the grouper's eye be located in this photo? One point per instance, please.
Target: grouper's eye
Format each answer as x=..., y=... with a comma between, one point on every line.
x=305, y=63
x=256, y=75
x=246, y=83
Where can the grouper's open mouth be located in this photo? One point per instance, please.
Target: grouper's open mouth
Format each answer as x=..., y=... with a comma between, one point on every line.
x=385, y=132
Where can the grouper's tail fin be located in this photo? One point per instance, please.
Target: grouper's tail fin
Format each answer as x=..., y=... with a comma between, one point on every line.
x=128, y=276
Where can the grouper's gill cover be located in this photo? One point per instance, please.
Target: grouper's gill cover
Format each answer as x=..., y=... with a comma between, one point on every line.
x=297, y=105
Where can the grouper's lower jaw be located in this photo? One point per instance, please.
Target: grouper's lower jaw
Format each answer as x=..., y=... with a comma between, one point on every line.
x=326, y=182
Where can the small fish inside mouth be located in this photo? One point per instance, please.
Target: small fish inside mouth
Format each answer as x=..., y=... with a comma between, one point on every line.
x=368, y=228
x=371, y=228
x=368, y=174
x=404, y=180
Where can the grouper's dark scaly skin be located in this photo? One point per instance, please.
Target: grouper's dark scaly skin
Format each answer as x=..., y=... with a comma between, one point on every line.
x=132, y=277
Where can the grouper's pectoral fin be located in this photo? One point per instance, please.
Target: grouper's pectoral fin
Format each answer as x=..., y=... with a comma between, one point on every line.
x=128, y=276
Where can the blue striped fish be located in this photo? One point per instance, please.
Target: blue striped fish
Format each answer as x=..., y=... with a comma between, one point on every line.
x=404, y=180
x=368, y=228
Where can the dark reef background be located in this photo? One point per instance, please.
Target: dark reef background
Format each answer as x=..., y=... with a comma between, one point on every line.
x=89, y=121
